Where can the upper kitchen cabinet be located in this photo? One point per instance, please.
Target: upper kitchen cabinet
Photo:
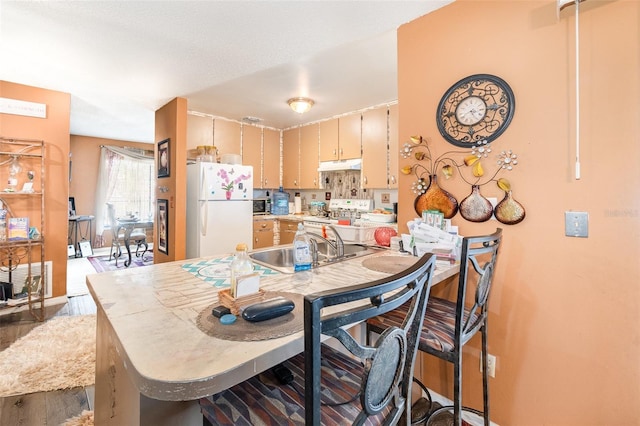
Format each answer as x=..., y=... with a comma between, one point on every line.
x=340, y=138
x=227, y=136
x=393, y=146
x=252, y=152
x=374, y=148
x=349, y=132
x=261, y=149
x=199, y=131
x=309, y=160
x=329, y=140
x=291, y=158
x=271, y=158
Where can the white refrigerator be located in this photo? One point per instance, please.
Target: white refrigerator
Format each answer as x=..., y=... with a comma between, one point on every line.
x=219, y=208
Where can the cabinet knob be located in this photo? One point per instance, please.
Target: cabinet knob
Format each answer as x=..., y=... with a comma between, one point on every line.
x=295, y=182
x=264, y=225
x=365, y=180
x=393, y=179
x=341, y=151
x=256, y=239
x=335, y=152
x=266, y=181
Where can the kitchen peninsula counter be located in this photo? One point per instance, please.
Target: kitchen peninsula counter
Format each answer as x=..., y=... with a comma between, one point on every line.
x=152, y=360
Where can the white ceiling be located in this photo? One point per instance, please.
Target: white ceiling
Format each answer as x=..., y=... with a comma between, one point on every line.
x=122, y=60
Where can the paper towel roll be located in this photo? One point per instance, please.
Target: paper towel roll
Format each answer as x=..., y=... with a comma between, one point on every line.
x=297, y=201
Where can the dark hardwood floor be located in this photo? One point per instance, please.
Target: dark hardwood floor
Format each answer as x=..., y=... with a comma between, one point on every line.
x=43, y=408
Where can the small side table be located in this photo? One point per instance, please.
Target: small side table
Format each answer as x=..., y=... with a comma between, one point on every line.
x=80, y=229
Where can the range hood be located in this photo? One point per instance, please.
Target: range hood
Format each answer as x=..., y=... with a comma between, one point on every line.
x=332, y=166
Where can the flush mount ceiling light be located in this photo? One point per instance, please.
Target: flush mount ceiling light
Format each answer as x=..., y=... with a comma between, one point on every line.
x=300, y=105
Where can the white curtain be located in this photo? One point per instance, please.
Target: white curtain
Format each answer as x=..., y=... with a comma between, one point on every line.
x=111, y=160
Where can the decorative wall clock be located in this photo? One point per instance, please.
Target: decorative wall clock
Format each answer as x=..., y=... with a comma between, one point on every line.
x=477, y=108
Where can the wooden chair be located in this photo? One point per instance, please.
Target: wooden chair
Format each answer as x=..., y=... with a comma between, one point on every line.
x=449, y=325
x=138, y=236
x=330, y=387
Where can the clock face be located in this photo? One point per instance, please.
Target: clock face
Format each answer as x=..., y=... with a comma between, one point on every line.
x=471, y=111
x=476, y=108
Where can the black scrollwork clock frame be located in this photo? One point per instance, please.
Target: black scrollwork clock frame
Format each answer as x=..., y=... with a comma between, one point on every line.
x=476, y=108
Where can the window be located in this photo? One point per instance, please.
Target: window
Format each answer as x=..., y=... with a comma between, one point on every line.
x=132, y=192
x=126, y=179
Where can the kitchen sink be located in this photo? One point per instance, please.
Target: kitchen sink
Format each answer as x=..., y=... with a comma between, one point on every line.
x=280, y=258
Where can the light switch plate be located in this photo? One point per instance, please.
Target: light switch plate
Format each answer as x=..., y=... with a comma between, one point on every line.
x=576, y=224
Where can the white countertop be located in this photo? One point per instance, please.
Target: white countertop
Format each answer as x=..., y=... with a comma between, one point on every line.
x=152, y=311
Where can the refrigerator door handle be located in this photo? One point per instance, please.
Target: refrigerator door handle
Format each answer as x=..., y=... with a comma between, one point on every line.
x=203, y=194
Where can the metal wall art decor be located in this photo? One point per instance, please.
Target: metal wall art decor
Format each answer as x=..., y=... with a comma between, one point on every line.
x=476, y=108
x=471, y=169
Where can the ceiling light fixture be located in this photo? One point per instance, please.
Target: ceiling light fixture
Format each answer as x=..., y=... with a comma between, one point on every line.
x=300, y=105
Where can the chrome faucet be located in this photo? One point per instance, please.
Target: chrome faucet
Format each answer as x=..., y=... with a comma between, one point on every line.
x=337, y=246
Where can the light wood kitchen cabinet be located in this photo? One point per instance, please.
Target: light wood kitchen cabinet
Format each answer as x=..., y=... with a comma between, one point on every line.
x=291, y=158
x=288, y=229
x=271, y=158
x=261, y=149
x=252, y=152
x=227, y=136
x=340, y=138
x=262, y=233
x=349, y=136
x=394, y=146
x=329, y=140
x=374, y=148
x=199, y=131
x=309, y=160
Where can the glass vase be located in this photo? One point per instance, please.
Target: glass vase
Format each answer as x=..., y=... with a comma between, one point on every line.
x=436, y=198
x=509, y=211
x=476, y=208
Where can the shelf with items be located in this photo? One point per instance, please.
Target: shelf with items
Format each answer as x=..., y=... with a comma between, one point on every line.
x=22, y=224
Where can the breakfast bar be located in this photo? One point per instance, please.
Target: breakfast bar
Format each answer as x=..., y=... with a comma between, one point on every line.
x=153, y=361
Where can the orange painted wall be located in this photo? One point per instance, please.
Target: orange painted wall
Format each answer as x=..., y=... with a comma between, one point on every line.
x=54, y=130
x=171, y=122
x=565, y=314
x=85, y=159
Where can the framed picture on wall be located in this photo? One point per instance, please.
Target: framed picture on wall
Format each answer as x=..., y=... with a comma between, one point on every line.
x=163, y=159
x=163, y=226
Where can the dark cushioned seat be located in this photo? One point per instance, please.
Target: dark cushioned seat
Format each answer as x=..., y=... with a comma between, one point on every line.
x=370, y=386
x=438, y=329
x=263, y=400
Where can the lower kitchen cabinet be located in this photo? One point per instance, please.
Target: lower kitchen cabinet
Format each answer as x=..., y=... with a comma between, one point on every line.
x=288, y=230
x=262, y=233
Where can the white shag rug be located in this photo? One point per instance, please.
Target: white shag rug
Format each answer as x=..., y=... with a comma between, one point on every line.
x=59, y=354
x=84, y=419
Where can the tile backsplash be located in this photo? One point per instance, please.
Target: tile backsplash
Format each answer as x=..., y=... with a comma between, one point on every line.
x=339, y=184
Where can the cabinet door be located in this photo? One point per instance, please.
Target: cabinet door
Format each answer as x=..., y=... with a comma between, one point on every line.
x=262, y=233
x=252, y=152
x=329, y=140
x=270, y=158
x=350, y=136
x=394, y=150
x=309, y=156
x=374, y=148
x=288, y=230
x=199, y=131
x=226, y=136
x=291, y=158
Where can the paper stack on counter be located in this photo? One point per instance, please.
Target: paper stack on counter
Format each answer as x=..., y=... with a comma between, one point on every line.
x=429, y=239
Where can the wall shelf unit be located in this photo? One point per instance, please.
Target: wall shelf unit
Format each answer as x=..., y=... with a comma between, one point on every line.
x=22, y=251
